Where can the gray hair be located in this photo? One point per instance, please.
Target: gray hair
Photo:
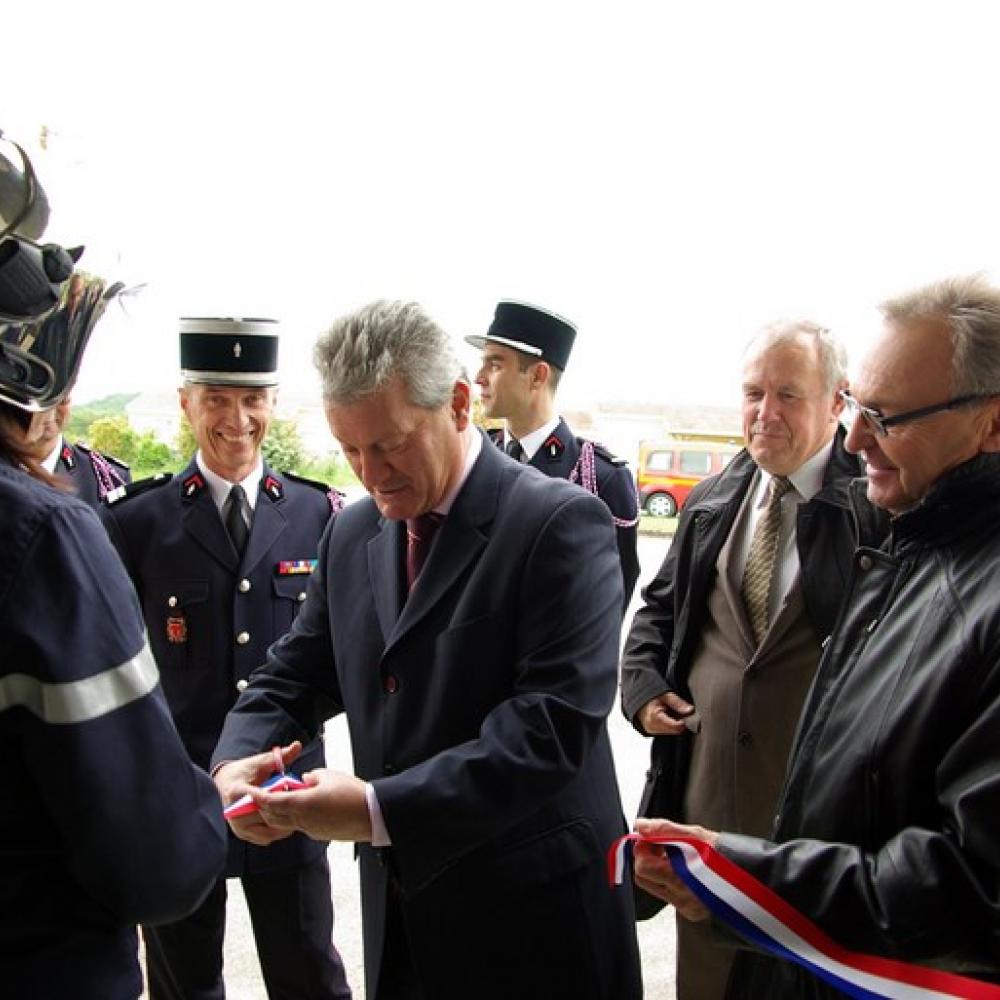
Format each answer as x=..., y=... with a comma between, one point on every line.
x=831, y=352
x=364, y=350
x=970, y=306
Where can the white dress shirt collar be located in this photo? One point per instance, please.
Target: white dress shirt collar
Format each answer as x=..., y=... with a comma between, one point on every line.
x=807, y=478
x=52, y=458
x=530, y=443
x=220, y=487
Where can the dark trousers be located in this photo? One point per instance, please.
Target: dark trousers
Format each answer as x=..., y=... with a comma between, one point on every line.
x=292, y=917
x=397, y=977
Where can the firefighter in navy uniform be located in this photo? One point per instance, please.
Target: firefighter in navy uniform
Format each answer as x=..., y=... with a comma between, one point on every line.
x=220, y=556
x=91, y=474
x=525, y=351
x=104, y=822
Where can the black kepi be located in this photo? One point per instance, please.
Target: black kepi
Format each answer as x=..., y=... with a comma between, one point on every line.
x=536, y=332
x=229, y=351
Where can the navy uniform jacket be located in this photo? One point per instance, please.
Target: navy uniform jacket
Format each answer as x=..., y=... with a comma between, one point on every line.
x=104, y=822
x=92, y=474
x=211, y=617
x=478, y=708
x=559, y=456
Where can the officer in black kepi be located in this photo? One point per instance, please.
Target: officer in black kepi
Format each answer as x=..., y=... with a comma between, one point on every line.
x=220, y=556
x=91, y=474
x=104, y=821
x=525, y=351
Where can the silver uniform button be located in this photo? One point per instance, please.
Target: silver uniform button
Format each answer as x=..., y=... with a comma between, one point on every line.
x=243, y=638
x=242, y=684
x=302, y=596
x=171, y=601
x=865, y=563
x=244, y=586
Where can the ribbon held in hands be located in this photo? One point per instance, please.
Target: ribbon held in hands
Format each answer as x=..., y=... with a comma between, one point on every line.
x=245, y=805
x=763, y=918
x=280, y=781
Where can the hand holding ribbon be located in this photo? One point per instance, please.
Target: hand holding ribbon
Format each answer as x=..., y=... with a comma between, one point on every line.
x=237, y=780
x=327, y=805
x=653, y=871
x=709, y=884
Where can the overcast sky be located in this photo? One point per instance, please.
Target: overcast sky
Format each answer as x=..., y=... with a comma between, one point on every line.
x=668, y=176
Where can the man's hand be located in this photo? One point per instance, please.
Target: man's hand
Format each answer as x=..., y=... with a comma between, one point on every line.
x=240, y=777
x=333, y=807
x=666, y=715
x=653, y=871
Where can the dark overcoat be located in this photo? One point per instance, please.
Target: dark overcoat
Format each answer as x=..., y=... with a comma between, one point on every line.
x=477, y=707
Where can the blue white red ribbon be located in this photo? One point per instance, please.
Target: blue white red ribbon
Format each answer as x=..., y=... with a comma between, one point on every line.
x=762, y=917
x=280, y=782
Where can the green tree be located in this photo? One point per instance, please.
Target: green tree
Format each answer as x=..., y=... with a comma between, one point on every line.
x=114, y=436
x=152, y=454
x=283, y=448
x=82, y=416
x=144, y=452
x=185, y=444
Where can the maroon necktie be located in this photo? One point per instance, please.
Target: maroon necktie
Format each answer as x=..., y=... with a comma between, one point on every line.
x=420, y=532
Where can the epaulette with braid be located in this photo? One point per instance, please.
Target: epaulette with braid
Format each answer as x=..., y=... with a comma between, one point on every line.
x=585, y=474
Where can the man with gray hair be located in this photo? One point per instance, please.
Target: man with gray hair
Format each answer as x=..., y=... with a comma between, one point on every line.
x=719, y=659
x=886, y=833
x=474, y=654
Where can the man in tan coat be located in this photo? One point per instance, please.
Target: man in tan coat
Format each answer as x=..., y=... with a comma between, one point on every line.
x=718, y=660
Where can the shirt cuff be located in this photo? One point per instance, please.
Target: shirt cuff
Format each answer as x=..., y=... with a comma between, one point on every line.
x=380, y=835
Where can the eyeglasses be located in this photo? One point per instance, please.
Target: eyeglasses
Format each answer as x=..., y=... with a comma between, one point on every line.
x=880, y=424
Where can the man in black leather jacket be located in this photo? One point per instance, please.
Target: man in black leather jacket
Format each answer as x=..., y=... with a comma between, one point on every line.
x=886, y=834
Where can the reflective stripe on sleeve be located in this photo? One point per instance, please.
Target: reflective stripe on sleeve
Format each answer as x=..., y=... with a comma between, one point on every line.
x=80, y=701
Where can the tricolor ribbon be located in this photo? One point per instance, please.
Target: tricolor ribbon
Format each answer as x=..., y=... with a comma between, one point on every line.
x=760, y=916
x=280, y=782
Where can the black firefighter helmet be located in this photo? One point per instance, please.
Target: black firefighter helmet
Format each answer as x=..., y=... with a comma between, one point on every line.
x=47, y=311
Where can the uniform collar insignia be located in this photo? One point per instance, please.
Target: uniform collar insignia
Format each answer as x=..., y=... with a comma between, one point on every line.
x=192, y=486
x=273, y=488
x=553, y=446
x=67, y=456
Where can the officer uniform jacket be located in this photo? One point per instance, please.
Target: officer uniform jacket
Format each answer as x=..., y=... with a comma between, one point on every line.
x=558, y=457
x=91, y=473
x=211, y=616
x=477, y=706
x=104, y=822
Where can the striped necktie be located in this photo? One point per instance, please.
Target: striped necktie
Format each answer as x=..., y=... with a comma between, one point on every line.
x=759, y=572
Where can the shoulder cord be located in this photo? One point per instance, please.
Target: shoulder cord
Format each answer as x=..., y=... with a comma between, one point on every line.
x=585, y=473
x=107, y=478
x=336, y=499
